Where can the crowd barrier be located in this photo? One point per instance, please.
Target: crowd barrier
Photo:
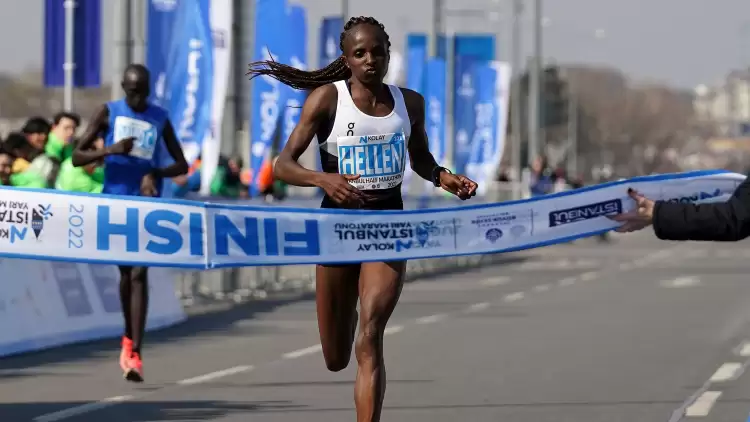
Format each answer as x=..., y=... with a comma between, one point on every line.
x=45, y=304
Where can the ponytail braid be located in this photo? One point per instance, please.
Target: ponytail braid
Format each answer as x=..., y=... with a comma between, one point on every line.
x=309, y=80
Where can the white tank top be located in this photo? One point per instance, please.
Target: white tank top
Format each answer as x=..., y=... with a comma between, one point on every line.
x=372, y=147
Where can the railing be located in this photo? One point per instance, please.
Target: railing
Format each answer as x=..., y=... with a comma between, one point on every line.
x=243, y=284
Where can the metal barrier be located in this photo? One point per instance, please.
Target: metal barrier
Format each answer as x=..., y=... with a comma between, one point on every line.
x=243, y=284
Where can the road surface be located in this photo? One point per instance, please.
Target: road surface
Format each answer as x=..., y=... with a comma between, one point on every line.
x=638, y=330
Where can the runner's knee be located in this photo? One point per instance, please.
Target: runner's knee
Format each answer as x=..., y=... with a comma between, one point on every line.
x=368, y=346
x=336, y=361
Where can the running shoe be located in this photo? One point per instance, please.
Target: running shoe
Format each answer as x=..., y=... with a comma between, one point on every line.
x=127, y=350
x=134, y=371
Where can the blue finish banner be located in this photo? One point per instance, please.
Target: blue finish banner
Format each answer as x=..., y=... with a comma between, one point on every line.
x=106, y=229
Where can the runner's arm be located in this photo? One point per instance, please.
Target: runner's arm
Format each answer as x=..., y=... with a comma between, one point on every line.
x=422, y=161
x=316, y=110
x=180, y=165
x=83, y=154
x=723, y=221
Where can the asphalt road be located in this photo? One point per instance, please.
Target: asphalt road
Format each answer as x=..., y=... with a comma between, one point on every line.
x=637, y=330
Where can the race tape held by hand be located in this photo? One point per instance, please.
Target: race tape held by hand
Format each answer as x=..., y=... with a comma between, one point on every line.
x=104, y=229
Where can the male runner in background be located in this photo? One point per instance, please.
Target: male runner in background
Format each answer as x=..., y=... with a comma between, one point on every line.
x=133, y=129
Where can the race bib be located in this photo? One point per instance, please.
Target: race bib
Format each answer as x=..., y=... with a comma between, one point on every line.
x=379, y=160
x=143, y=132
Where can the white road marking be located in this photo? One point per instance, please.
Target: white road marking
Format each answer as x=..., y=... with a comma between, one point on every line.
x=676, y=283
x=542, y=288
x=513, y=297
x=302, y=352
x=216, y=375
x=703, y=404
x=495, y=281
x=478, y=307
x=568, y=281
x=745, y=349
x=79, y=410
x=626, y=266
x=588, y=276
x=726, y=372
x=393, y=330
x=430, y=319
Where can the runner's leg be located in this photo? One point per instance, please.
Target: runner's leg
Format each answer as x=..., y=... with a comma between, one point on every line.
x=127, y=338
x=138, y=305
x=134, y=300
x=336, y=302
x=380, y=286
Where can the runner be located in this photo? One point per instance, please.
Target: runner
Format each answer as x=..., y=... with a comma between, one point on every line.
x=349, y=100
x=132, y=128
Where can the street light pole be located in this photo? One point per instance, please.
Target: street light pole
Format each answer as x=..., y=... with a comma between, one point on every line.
x=534, y=83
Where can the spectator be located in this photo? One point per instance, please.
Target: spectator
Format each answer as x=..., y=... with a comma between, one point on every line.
x=226, y=182
x=43, y=165
x=64, y=126
x=542, y=177
x=6, y=167
x=19, y=147
x=36, y=130
x=88, y=178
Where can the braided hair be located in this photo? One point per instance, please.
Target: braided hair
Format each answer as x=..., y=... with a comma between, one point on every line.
x=309, y=80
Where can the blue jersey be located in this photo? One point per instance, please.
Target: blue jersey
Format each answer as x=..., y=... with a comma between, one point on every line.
x=123, y=173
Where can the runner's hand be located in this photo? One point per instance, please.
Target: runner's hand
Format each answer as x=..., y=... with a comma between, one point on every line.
x=337, y=187
x=122, y=147
x=148, y=186
x=458, y=184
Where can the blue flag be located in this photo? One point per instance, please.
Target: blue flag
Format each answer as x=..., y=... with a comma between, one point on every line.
x=189, y=77
x=160, y=20
x=416, y=54
x=485, y=123
x=87, y=40
x=271, y=34
x=435, y=99
x=330, y=35
x=463, y=111
x=295, y=54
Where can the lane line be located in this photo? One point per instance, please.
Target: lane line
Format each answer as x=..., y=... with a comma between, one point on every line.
x=495, y=281
x=478, y=307
x=431, y=319
x=745, y=349
x=80, y=410
x=679, y=282
x=514, y=297
x=542, y=288
x=567, y=281
x=393, y=330
x=215, y=375
x=726, y=372
x=588, y=276
x=701, y=407
x=303, y=352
